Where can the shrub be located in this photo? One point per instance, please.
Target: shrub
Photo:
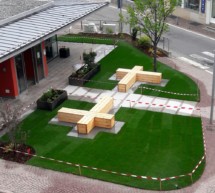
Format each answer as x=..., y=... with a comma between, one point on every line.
x=89, y=58
x=144, y=41
x=50, y=95
x=134, y=33
x=109, y=30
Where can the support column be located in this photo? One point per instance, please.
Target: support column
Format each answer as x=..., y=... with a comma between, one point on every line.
x=182, y=3
x=45, y=65
x=208, y=11
x=8, y=79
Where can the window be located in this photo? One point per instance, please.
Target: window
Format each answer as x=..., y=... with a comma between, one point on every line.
x=192, y=4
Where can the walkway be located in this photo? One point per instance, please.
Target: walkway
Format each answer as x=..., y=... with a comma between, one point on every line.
x=136, y=101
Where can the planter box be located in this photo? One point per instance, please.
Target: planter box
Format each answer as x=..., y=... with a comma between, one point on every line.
x=82, y=80
x=50, y=106
x=64, y=52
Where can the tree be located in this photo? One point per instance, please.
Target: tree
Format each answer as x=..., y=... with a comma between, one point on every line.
x=150, y=17
x=10, y=121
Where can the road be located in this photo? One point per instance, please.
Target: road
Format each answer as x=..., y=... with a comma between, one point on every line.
x=193, y=48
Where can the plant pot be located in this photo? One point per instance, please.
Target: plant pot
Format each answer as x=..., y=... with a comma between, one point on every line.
x=80, y=81
x=52, y=105
x=64, y=52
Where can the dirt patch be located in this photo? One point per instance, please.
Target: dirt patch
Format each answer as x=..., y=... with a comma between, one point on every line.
x=10, y=153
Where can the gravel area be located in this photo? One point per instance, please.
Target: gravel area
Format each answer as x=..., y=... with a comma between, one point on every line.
x=13, y=7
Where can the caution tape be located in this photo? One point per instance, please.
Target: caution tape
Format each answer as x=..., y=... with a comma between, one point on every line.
x=140, y=87
x=168, y=92
x=108, y=171
x=144, y=103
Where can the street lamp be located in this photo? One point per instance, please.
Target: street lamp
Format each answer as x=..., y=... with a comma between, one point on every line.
x=212, y=97
x=119, y=2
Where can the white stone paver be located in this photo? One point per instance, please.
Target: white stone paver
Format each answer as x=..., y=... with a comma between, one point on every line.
x=172, y=106
x=102, y=51
x=104, y=93
x=158, y=104
x=70, y=89
x=136, y=101
x=131, y=100
x=143, y=102
x=113, y=77
x=93, y=93
x=119, y=98
x=187, y=108
x=81, y=91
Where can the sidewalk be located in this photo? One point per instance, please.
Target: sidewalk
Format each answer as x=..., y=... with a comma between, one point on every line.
x=204, y=29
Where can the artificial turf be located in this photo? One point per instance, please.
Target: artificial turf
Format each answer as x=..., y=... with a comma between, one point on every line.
x=127, y=56
x=89, y=40
x=149, y=144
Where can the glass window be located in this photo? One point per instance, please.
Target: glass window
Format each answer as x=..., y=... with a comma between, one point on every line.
x=51, y=48
x=20, y=73
x=192, y=4
x=213, y=9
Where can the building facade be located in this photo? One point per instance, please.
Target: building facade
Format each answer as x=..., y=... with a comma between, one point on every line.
x=202, y=11
x=28, y=42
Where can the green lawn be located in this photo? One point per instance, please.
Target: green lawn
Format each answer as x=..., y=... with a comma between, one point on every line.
x=126, y=56
x=150, y=143
x=90, y=40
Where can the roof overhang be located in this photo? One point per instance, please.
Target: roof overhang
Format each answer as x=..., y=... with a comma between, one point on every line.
x=25, y=33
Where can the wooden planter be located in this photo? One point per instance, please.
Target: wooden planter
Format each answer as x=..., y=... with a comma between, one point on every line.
x=80, y=81
x=50, y=106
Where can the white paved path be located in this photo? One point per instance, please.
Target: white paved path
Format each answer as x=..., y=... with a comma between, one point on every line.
x=137, y=101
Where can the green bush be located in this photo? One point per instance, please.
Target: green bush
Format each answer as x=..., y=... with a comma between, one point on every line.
x=109, y=31
x=144, y=41
x=50, y=95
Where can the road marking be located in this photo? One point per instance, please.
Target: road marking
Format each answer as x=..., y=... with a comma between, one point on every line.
x=209, y=54
x=196, y=64
x=198, y=57
x=191, y=32
x=208, y=71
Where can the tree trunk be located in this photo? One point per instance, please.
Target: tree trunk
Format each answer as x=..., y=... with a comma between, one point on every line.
x=155, y=58
x=155, y=40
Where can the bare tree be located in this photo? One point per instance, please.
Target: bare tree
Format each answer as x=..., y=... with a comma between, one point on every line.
x=10, y=121
x=150, y=17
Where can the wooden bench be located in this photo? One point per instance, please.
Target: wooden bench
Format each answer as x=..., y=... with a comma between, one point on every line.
x=129, y=77
x=87, y=120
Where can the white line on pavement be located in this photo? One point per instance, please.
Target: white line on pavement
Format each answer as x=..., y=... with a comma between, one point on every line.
x=193, y=63
x=198, y=57
x=209, y=54
x=208, y=71
x=192, y=32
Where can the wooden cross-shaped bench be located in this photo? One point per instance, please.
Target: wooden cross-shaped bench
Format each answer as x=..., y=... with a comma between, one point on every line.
x=87, y=120
x=129, y=77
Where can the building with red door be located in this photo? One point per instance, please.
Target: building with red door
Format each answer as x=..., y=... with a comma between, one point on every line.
x=28, y=39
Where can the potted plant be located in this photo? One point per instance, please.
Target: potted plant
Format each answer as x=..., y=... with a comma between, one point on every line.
x=51, y=99
x=86, y=72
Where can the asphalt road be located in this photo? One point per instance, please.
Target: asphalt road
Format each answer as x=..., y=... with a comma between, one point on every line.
x=195, y=49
